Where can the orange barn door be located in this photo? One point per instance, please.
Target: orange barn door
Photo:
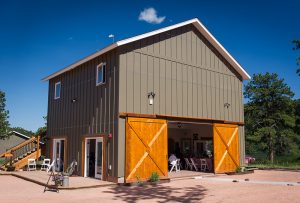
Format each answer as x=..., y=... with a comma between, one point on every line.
x=146, y=148
x=226, y=148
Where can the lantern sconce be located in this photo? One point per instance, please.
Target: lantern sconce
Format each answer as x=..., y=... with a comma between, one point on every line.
x=227, y=105
x=151, y=96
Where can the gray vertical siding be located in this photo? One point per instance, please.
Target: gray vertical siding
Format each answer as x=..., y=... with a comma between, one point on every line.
x=188, y=76
x=185, y=72
x=94, y=112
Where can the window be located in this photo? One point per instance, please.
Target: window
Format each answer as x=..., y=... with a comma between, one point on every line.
x=101, y=69
x=57, y=90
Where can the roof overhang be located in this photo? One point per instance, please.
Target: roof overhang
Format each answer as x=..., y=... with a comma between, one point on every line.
x=202, y=29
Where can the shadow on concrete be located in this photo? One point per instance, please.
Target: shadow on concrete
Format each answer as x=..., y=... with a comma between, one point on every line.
x=158, y=193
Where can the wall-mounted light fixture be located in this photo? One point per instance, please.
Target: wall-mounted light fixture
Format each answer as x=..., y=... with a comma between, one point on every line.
x=179, y=125
x=74, y=100
x=151, y=96
x=227, y=105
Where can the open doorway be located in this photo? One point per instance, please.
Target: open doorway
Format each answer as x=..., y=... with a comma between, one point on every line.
x=94, y=158
x=59, y=154
x=192, y=145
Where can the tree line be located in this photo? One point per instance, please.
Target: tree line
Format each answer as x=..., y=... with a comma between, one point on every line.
x=272, y=118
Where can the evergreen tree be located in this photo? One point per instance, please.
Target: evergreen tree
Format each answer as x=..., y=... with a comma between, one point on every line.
x=269, y=115
x=4, y=124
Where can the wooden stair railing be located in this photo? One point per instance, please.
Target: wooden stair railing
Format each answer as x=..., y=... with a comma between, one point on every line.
x=23, y=150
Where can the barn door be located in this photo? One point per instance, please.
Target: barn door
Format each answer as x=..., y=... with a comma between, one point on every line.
x=226, y=148
x=146, y=148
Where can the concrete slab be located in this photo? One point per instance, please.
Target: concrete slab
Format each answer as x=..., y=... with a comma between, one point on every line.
x=41, y=178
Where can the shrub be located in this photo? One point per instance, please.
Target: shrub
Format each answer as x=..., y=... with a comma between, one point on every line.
x=154, y=177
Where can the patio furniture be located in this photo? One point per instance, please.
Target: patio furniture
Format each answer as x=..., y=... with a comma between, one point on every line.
x=59, y=179
x=173, y=165
x=45, y=164
x=188, y=165
x=179, y=166
x=203, y=165
x=70, y=170
x=194, y=164
x=51, y=166
x=31, y=165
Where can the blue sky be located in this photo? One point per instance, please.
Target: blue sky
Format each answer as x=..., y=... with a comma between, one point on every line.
x=40, y=37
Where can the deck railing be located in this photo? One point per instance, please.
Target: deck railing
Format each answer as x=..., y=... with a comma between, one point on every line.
x=22, y=150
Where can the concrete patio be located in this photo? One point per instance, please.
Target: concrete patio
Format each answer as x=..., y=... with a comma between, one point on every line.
x=41, y=178
x=188, y=174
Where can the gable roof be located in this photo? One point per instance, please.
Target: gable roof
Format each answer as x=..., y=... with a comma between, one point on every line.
x=202, y=29
x=20, y=135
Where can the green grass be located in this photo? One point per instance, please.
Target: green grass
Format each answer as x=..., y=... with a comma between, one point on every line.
x=276, y=165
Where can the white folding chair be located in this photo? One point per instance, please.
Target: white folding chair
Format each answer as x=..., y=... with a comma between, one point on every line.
x=31, y=165
x=188, y=165
x=194, y=164
x=203, y=165
x=173, y=165
x=45, y=164
x=178, y=165
x=51, y=166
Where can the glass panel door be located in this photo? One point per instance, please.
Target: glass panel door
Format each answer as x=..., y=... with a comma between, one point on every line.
x=99, y=158
x=87, y=158
x=58, y=154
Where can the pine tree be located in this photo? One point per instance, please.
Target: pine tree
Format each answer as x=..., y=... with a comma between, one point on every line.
x=269, y=114
x=4, y=125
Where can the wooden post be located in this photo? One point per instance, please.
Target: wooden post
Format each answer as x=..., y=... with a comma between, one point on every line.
x=38, y=147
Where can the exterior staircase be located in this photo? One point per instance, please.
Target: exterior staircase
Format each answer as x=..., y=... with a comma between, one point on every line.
x=18, y=156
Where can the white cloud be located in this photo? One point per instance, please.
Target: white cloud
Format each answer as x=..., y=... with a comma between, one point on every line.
x=150, y=16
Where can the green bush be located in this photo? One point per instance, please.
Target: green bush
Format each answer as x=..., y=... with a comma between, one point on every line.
x=154, y=177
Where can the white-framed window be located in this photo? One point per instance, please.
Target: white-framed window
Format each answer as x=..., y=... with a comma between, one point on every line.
x=57, y=90
x=101, y=76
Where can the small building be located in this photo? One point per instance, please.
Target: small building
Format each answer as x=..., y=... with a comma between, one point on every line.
x=123, y=110
x=13, y=140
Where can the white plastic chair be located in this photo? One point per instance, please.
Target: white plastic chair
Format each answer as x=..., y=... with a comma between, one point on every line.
x=31, y=165
x=45, y=164
x=178, y=165
x=194, y=164
x=173, y=165
x=188, y=165
x=203, y=165
x=51, y=166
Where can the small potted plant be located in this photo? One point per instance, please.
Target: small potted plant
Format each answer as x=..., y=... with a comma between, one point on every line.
x=154, y=178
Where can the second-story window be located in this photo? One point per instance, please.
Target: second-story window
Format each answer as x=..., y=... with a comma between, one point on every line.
x=57, y=90
x=101, y=69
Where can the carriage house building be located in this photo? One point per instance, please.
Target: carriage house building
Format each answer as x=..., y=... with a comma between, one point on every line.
x=123, y=110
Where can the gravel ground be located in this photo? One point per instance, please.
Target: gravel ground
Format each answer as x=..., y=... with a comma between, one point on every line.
x=13, y=190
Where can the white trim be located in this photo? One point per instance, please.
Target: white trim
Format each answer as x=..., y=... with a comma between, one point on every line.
x=85, y=156
x=202, y=29
x=22, y=135
x=103, y=74
x=56, y=140
x=55, y=90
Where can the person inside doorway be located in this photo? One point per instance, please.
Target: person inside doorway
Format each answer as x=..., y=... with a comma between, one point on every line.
x=172, y=158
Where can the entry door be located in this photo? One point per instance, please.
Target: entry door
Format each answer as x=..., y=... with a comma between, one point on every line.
x=146, y=148
x=58, y=154
x=226, y=148
x=87, y=157
x=99, y=158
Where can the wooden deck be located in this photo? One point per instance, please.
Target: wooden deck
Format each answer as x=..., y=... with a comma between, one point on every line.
x=41, y=178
